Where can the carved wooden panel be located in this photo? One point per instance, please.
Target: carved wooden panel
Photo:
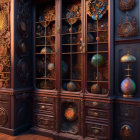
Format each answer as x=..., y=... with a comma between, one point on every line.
x=98, y=114
x=5, y=53
x=98, y=131
x=42, y=121
x=97, y=104
x=3, y=116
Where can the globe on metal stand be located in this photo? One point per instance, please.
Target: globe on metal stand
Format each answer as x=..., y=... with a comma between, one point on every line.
x=128, y=86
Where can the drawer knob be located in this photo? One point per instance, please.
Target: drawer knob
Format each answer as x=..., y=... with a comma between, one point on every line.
x=95, y=104
x=96, y=131
x=46, y=122
x=44, y=99
x=42, y=107
x=95, y=114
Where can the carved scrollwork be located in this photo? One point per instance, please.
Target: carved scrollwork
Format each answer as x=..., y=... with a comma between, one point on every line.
x=3, y=116
x=22, y=48
x=128, y=28
x=23, y=18
x=23, y=70
x=126, y=4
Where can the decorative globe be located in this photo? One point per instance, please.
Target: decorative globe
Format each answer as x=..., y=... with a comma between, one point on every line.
x=46, y=50
x=96, y=57
x=95, y=88
x=71, y=86
x=70, y=114
x=128, y=86
x=128, y=58
x=50, y=66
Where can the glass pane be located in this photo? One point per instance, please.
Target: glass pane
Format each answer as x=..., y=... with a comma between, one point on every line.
x=45, y=46
x=97, y=47
x=71, y=45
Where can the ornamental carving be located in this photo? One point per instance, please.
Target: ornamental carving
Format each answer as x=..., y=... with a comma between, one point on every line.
x=126, y=131
x=3, y=116
x=126, y=4
x=23, y=70
x=128, y=28
x=5, y=39
x=23, y=18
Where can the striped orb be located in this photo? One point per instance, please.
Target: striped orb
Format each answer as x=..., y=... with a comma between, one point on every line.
x=128, y=86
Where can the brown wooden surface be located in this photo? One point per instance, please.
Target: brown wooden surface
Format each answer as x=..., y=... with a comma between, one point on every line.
x=26, y=136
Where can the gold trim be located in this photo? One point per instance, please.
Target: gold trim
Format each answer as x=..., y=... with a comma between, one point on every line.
x=4, y=1
x=127, y=96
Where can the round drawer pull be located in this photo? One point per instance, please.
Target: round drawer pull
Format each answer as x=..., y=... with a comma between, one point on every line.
x=42, y=107
x=44, y=99
x=95, y=114
x=95, y=104
x=96, y=131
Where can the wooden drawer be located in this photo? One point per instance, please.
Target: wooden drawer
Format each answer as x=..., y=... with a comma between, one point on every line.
x=46, y=108
x=99, y=114
x=4, y=97
x=44, y=99
x=99, y=131
x=44, y=121
x=97, y=104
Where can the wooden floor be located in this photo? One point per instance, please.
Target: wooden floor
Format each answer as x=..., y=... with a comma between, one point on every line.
x=23, y=137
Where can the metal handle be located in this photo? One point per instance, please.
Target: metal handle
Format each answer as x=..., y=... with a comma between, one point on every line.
x=95, y=114
x=42, y=107
x=95, y=104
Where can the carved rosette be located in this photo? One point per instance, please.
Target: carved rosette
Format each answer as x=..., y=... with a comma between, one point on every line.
x=3, y=116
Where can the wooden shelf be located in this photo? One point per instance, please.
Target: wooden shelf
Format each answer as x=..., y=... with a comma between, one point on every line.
x=45, y=53
x=71, y=44
x=71, y=80
x=46, y=36
x=99, y=52
x=42, y=78
x=97, y=81
x=71, y=33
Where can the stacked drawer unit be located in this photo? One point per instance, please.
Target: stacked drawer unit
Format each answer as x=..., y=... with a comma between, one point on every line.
x=97, y=119
x=127, y=121
x=44, y=112
x=4, y=110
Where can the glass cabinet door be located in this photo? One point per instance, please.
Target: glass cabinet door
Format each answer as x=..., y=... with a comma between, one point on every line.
x=71, y=40
x=45, y=50
x=97, y=46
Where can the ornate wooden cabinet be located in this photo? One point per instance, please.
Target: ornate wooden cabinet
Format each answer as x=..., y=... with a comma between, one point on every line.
x=73, y=51
x=69, y=69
